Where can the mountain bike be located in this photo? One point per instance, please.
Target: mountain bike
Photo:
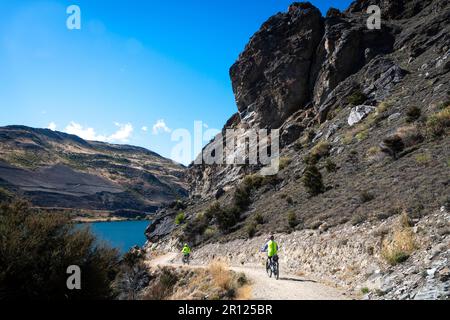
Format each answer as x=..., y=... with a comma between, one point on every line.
x=186, y=259
x=273, y=267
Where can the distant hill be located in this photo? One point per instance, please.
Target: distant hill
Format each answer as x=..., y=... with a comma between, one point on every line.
x=61, y=171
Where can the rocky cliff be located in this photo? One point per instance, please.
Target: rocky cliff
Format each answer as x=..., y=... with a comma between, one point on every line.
x=364, y=117
x=300, y=68
x=55, y=170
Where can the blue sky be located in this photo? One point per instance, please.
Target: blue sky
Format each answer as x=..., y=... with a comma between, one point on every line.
x=134, y=65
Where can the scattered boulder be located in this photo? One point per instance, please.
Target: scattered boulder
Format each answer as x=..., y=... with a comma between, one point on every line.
x=359, y=113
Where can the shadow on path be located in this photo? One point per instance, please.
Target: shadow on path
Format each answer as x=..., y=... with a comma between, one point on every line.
x=298, y=280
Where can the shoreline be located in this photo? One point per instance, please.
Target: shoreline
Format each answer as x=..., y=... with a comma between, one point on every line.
x=84, y=220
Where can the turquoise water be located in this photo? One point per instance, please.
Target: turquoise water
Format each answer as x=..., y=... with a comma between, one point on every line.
x=122, y=235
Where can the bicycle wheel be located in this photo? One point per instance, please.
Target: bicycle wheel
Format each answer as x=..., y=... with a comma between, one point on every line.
x=277, y=271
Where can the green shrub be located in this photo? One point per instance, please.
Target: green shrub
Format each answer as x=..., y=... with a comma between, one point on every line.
x=444, y=105
x=251, y=229
x=162, y=285
x=363, y=135
x=196, y=226
x=168, y=279
x=209, y=213
x=209, y=232
x=358, y=219
x=306, y=139
x=310, y=159
x=312, y=180
x=133, y=276
x=393, y=145
x=36, y=249
x=180, y=218
x=366, y=196
x=289, y=200
x=178, y=205
x=259, y=219
x=423, y=158
x=253, y=181
x=285, y=162
x=357, y=98
x=439, y=123
x=227, y=218
x=365, y=290
x=330, y=166
x=321, y=150
x=241, y=198
x=413, y=114
x=5, y=195
x=292, y=219
x=242, y=194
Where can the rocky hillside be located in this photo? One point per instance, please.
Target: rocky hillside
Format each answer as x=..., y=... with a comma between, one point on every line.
x=364, y=118
x=56, y=171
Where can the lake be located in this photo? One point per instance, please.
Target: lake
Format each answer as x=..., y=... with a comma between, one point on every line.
x=122, y=235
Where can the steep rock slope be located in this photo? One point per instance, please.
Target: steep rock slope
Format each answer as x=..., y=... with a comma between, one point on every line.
x=364, y=118
x=57, y=170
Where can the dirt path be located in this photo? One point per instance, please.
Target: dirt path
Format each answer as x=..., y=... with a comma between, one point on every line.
x=264, y=288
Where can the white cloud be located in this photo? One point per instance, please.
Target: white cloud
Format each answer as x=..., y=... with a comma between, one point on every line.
x=160, y=126
x=84, y=133
x=121, y=135
x=145, y=129
x=52, y=126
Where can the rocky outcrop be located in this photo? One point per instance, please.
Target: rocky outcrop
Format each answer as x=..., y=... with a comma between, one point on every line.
x=298, y=58
x=296, y=69
x=270, y=78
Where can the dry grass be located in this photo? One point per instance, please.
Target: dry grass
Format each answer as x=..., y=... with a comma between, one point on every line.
x=285, y=162
x=321, y=149
x=439, y=123
x=423, y=158
x=373, y=151
x=410, y=135
x=398, y=247
x=300, y=273
x=352, y=133
x=221, y=274
x=244, y=293
x=383, y=107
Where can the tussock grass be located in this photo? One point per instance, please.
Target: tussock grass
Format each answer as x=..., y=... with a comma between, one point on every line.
x=410, y=135
x=423, y=158
x=439, y=123
x=321, y=150
x=221, y=275
x=373, y=151
x=180, y=218
x=285, y=162
x=398, y=247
